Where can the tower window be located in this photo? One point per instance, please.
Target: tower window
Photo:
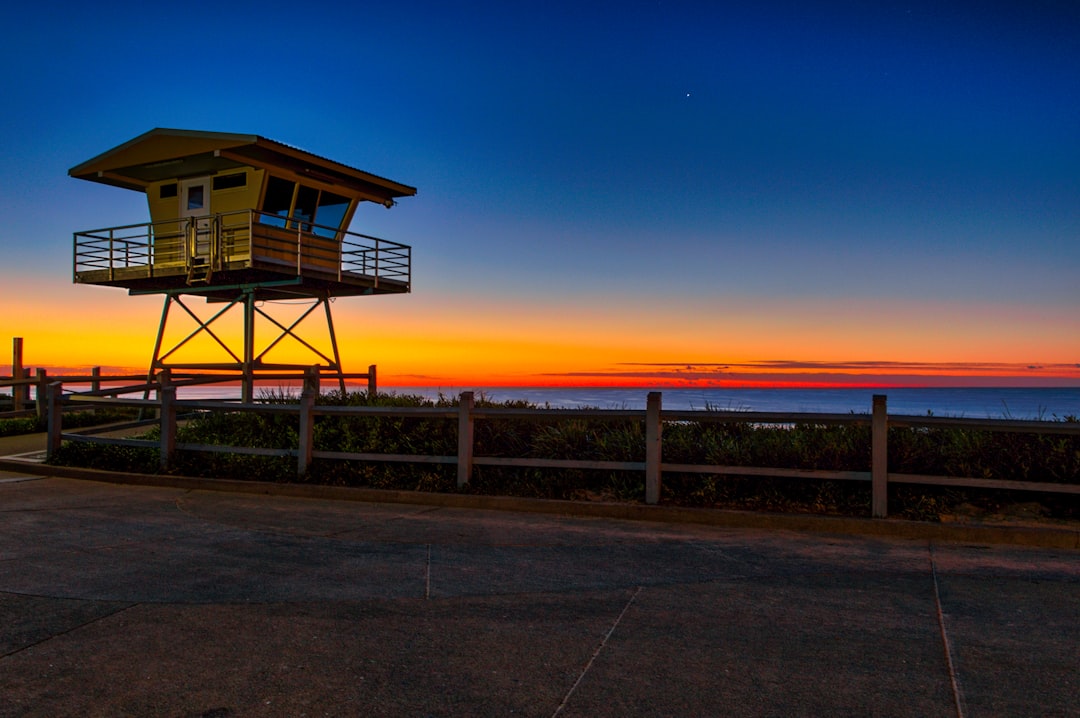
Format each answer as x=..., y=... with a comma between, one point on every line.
x=330, y=213
x=278, y=201
x=238, y=179
x=306, y=199
x=288, y=204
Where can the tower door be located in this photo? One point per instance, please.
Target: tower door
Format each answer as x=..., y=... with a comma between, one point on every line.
x=195, y=206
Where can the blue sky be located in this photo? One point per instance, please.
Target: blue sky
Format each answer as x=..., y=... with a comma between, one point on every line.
x=589, y=165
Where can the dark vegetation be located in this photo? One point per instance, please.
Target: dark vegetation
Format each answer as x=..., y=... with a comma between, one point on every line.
x=946, y=452
x=72, y=420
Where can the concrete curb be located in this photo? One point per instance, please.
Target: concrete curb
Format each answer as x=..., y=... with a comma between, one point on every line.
x=1042, y=536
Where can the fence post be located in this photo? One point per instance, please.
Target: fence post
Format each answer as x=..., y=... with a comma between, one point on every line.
x=54, y=393
x=164, y=379
x=39, y=394
x=312, y=381
x=879, y=458
x=25, y=389
x=654, y=429
x=16, y=373
x=307, y=420
x=95, y=379
x=465, y=438
x=167, y=395
x=372, y=384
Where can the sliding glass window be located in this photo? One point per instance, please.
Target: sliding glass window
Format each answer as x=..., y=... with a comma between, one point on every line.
x=277, y=204
x=330, y=213
x=287, y=204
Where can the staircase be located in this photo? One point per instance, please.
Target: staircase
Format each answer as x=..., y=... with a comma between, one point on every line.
x=199, y=271
x=203, y=238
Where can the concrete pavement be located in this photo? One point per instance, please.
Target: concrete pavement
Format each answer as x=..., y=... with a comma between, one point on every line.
x=164, y=601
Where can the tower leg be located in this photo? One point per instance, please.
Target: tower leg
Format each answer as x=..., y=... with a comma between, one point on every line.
x=248, y=390
x=155, y=361
x=333, y=344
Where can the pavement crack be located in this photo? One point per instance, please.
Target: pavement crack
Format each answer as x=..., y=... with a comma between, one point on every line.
x=82, y=625
x=414, y=514
x=958, y=701
x=427, y=577
x=588, y=666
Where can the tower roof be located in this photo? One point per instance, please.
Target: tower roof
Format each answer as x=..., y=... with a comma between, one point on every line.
x=167, y=153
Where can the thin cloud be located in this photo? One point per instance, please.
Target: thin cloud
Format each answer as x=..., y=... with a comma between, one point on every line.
x=860, y=366
x=823, y=374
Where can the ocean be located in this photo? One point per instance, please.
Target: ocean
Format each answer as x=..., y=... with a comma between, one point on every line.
x=980, y=403
x=972, y=403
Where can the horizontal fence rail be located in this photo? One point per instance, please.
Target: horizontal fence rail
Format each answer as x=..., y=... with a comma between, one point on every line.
x=466, y=414
x=109, y=388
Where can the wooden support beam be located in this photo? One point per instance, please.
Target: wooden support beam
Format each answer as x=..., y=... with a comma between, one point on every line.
x=306, y=442
x=168, y=424
x=17, y=373
x=466, y=405
x=879, y=458
x=54, y=393
x=654, y=430
x=39, y=394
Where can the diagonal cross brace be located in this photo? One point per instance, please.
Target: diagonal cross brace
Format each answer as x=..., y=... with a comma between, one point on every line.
x=288, y=331
x=204, y=326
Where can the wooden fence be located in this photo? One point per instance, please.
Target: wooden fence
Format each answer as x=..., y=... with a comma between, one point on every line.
x=102, y=385
x=168, y=408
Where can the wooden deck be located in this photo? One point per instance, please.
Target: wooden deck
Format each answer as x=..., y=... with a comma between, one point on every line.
x=215, y=259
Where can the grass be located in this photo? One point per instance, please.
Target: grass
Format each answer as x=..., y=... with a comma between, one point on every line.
x=956, y=452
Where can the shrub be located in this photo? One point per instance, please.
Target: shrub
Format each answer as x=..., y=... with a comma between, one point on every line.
x=936, y=451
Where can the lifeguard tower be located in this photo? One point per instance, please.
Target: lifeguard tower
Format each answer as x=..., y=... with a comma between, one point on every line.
x=246, y=222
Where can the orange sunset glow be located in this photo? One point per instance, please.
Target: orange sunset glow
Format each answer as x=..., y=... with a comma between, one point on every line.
x=419, y=343
x=702, y=195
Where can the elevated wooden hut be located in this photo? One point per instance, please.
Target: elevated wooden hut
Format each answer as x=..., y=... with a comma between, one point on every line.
x=240, y=219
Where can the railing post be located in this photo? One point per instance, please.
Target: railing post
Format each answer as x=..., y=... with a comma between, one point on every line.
x=95, y=379
x=167, y=395
x=189, y=242
x=39, y=394
x=16, y=373
x=54, y=417
x=312, y=381
x=465, y=438
x=215, y=243
x=307, y=420
x=340, y=257
x=164, y=379
x=372, y=384
x=879, y=458
x=112, y=270
x=25, y=388
x=299, y=250
x=654, y=429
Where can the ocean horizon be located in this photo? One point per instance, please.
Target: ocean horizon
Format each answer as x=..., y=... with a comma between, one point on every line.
x=965, y=402
x=977, y=403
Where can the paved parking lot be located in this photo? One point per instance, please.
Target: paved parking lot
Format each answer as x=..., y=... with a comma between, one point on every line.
x=158, y=601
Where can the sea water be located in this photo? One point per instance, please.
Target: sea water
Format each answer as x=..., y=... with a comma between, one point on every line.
x=971, y=403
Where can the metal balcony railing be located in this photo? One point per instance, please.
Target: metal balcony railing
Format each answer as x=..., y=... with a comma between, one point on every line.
x=234, y=240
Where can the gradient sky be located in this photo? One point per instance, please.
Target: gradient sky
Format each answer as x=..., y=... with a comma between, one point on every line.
x=630, y=193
